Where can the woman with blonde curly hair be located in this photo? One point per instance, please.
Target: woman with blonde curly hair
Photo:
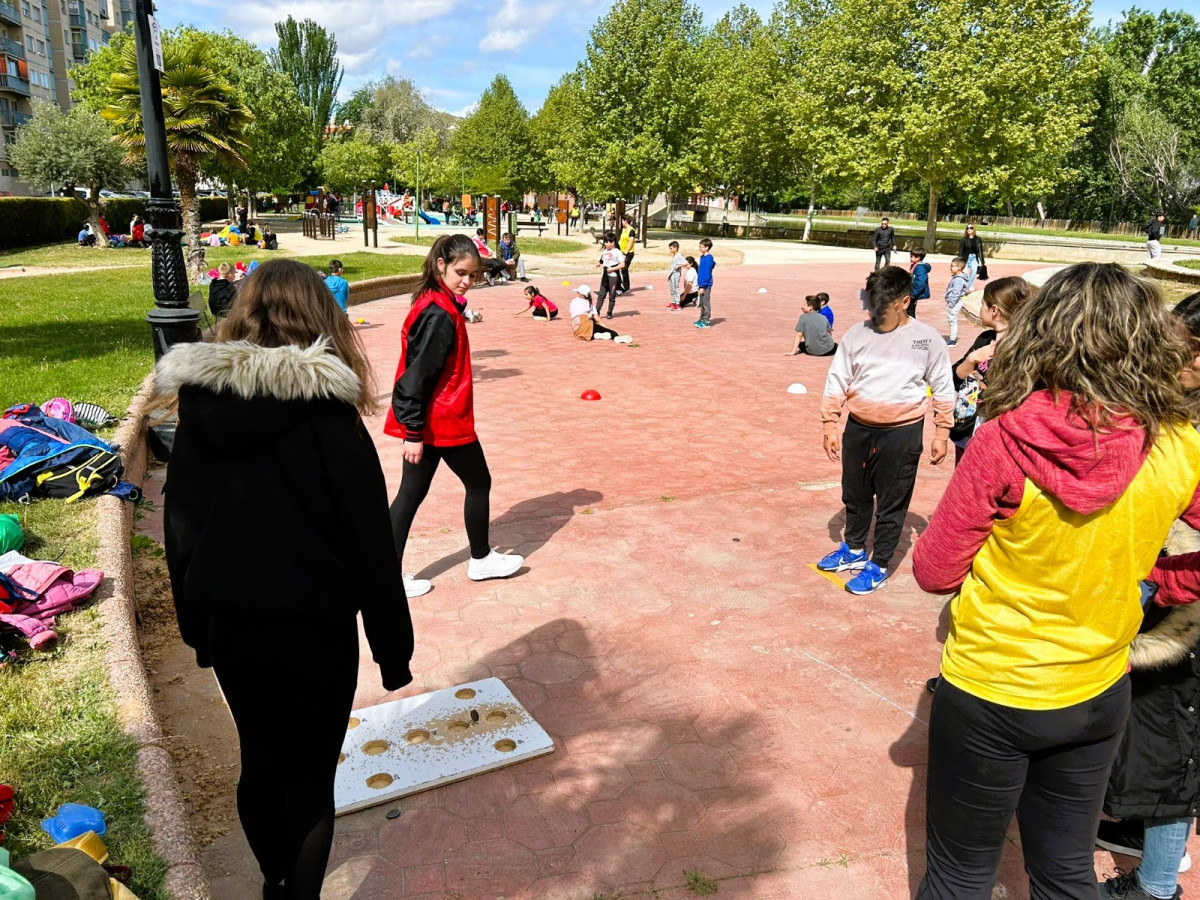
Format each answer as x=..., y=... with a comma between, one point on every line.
x=1045, y=532
x=277, y=536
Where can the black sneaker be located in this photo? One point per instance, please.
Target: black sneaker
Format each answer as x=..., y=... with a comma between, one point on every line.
x=931, y=686
x=1126, y=837
x=1127, y=887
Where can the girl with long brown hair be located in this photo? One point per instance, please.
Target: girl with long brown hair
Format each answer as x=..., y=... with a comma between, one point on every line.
x=1045, y=532
x=433, y=408
x=277, y=536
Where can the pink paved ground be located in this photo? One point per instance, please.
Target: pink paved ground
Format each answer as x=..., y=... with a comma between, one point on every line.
x=716, y=706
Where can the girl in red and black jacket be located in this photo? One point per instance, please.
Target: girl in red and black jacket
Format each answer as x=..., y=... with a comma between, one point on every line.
x=433, y=408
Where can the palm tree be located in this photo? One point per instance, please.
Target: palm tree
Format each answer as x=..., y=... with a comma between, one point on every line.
x=204, y=117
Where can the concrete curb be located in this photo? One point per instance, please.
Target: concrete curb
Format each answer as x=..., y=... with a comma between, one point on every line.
x=1167, y=270
x=165, y=812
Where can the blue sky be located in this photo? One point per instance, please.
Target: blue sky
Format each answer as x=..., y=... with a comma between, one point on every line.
x=451, y=49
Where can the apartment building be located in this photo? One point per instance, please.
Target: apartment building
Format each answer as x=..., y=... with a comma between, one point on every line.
x=28, y=73
x=77, y=28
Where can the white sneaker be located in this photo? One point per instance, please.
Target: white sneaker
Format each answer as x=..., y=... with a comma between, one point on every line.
x=1185, y=863
x=623, y=339
x=602, y=336
x=416, y=587
x=494, y=565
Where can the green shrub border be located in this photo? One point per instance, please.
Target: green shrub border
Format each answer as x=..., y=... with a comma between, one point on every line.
x=28, y=221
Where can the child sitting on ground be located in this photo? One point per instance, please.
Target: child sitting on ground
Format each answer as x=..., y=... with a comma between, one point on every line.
x=689, y=293
x=542, y=308
x=825, y=310
x=584, y=319
x=813, y=334
x=956, y=290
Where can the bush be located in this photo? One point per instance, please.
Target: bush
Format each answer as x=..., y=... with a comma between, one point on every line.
x=213, y=209
x=25, y=221
x=118, y=212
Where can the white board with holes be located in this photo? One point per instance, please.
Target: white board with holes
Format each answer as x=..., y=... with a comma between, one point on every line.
x=410, y=745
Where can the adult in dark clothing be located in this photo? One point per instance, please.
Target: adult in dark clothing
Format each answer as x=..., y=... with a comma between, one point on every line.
x=433, y=408
x=222, y=291
x=1154, y=787
x=277, y=536
x=884, y=241
x=243, y=218
x=1155, y=229
x=970, y=248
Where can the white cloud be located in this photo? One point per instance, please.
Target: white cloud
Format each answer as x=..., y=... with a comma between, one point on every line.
x=516, y=22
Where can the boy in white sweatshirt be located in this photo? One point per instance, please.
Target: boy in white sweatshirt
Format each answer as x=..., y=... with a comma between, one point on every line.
x=884, y=373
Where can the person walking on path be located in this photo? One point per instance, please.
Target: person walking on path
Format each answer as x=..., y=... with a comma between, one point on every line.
x=277, y=537
x=433, y=408
x=1088, y=454
x=970, y=248
x=1193, y=231
x=887, y=372
x=1155, y=229
x=884, y=241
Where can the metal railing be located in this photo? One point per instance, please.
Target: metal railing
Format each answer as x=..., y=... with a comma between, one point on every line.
x=77, y=20
x=12, y=48
x=79, y=50
x=14, y=84
x=12, y=117
x=9, y=13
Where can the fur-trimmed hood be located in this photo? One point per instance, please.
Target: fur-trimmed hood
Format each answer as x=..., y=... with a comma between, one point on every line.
x=1169, y=642
x=251, y=371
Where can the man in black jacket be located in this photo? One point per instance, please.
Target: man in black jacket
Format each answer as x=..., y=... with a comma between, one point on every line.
x=884, y=240
x=1155, y=229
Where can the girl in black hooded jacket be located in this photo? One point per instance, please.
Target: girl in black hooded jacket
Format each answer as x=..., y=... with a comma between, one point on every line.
x=277, y=536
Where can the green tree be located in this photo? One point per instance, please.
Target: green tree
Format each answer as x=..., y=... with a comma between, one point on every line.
x=345, y=165
x=307, y=54
x=495, y=146
x=741, y=144
x=204, y=120
x=67, y=150
x=937, y=90
x=642, y=100
x=354, y=109
x=561, y=132
x=397, y=111
x=1153, y=162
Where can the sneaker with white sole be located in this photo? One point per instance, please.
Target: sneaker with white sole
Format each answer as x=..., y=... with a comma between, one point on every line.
x=869, y=580
x=623, y=339
x=1128, y=838
x=494, y=565
x=602, y=336
x=416, y=587
x=843, y=559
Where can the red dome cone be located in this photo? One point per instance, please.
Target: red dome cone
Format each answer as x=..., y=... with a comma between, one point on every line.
x=589, y=394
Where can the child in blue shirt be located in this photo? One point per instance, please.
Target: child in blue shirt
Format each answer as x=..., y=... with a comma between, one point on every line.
x=704, y=281
x=825, y=309
x=956, y=290
x=919, y=269
x=338, y=286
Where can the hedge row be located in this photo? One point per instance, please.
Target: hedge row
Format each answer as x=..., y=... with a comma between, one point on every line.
x=39, y=220
x=26, y=221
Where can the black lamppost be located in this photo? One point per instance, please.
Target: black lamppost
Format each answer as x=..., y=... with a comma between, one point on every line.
x=172, y=320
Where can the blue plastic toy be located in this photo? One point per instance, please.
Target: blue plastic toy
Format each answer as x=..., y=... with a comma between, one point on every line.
x=73, y=819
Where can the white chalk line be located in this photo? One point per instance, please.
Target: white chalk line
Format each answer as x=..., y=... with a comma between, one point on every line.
x=865, y=687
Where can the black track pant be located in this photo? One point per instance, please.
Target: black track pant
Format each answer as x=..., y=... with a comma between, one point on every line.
x=987, y=761
x=624, y=273
x=290, y=688
x=468, y=463
x=879, y=471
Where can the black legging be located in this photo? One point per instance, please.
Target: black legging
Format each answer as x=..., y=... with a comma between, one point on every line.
x=624, y=273
x=468, y=463
x=282, y=698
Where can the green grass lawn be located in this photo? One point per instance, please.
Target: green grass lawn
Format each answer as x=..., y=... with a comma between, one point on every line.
x=1189, y=263
x=912, y=229
x=534, y=246
x=83, y=336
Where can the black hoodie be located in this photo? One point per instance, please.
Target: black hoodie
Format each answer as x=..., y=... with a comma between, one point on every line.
x=276, y=505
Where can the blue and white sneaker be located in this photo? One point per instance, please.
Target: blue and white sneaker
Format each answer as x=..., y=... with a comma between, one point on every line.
x=869, y=580
x=842, y=560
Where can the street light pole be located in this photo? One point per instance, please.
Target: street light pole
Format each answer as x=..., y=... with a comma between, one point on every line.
x=171, y=320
